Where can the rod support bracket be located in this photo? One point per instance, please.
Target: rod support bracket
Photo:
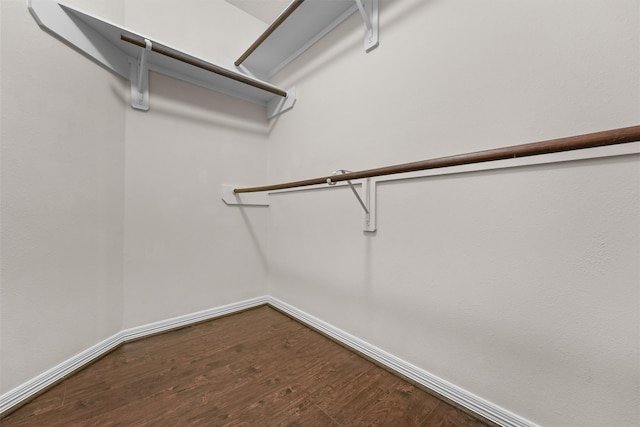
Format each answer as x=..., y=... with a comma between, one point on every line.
x=280, y=105
x=369, y=192
x=139, y=76
x=367, y=200
x=370, y=15
x=230, y=198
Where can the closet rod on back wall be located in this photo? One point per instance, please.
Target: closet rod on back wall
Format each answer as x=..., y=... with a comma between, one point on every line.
x=179, y=56
x=578, y=142
x=274, y=26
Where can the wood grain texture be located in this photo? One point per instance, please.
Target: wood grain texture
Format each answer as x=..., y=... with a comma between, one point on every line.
x=258, y=367
x=578, y=142
x=191, y=60
x=274, y=26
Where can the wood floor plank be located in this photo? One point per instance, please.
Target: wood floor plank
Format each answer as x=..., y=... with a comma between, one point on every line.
x=399, y=404
x=258, y=367
x=447, y=416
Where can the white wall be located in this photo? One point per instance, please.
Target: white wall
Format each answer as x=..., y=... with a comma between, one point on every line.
x=519, y=285
x=62, y=198
x=69, y=276
x=185, y=250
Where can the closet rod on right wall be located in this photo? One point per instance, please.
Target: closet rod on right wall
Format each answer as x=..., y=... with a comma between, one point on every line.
x=578, y=142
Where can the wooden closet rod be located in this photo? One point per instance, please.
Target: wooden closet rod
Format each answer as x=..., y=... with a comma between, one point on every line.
x=274, y=25
x=166, y=51
x=590, y=140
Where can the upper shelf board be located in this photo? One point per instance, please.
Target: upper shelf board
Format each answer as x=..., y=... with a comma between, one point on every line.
x=309, y=22
x=101, y=40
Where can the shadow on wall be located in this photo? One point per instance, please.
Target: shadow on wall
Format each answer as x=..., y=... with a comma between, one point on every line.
x=347, y=37
x=254, y=237
x=121, y=93
x=546, y=354
x=191, y=103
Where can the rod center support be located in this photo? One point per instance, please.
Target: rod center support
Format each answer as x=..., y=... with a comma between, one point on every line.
x=355, y=192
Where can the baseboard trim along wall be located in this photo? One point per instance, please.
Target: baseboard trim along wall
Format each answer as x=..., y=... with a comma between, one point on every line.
x=31, y=388
x=459, y=396
x=441, y=387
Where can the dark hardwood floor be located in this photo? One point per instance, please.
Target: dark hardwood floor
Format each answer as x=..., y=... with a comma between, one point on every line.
x=256, y=368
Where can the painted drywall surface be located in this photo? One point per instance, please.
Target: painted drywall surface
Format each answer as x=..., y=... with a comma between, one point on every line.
x=64, y=178
x=311, y=139
x=62, y=199
x=185, y=250
x=520, y=285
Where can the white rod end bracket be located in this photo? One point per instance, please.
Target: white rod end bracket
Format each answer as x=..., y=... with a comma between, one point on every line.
x=243, y=199
x=280, y=105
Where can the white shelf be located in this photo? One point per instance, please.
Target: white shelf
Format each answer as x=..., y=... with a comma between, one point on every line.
x=309, y=22
x=101, y=40
x=132, y=55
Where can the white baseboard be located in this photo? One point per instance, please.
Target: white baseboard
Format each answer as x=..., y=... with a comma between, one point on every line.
x=46, y=379
x=32, y=387
x=455, y=394
x=189, y=319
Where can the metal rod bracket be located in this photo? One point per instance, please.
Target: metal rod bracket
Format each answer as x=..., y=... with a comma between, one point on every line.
x=278, y=106
x=249, y=199
x=367, y=201
x=139, y=76
x=370, y=15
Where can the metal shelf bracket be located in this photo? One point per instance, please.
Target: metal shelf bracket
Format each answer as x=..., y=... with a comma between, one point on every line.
x=139, y=70
x=131, y=56
x=370, y=16
x=367, y=201
x=279, y=105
